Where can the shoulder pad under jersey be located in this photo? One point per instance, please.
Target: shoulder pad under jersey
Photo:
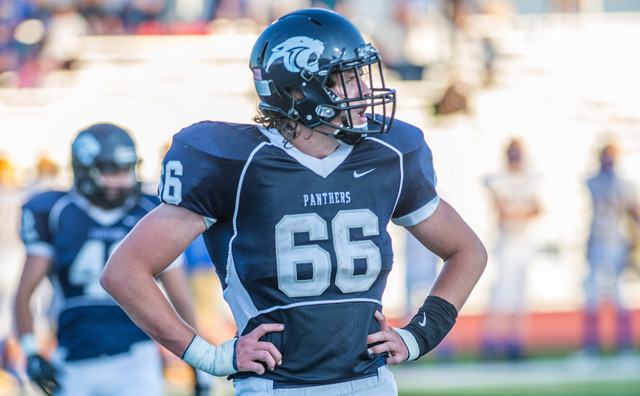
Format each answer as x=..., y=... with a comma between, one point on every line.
x=403, y=136
x=206, y=160
x=221, y=139
x=44, y=200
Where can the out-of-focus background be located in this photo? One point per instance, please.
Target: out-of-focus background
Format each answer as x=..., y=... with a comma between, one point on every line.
x=561, y=77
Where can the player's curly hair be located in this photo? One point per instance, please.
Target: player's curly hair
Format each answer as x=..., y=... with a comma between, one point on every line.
x=287, y=127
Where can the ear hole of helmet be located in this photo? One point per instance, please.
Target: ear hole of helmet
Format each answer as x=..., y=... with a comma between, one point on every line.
x=295, y=94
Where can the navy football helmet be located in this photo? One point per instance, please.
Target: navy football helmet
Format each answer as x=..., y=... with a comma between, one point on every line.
x=103, y=148
x=301, y=51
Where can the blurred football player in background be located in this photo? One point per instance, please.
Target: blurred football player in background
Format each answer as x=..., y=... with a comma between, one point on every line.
x=515, y=199
x=68, y=236
x=614, y=225
x=294, y=213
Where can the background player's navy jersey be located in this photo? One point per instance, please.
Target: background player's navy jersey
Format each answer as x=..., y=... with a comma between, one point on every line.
x=79, y=237
x=300, y=240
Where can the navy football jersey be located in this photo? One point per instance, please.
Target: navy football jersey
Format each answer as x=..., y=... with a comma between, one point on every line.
x=300, y=240
x=79, y=237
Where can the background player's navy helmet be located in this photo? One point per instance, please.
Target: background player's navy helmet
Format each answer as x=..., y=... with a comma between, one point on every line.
x=300, y=51
x=103, y=148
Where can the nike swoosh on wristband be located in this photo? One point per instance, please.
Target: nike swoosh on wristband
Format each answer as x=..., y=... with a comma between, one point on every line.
x=357, y=175
x=424, y=320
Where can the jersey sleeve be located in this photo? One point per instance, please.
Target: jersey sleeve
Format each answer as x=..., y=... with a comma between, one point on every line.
x=418, y=197
x=200, y=172
x=35, y=231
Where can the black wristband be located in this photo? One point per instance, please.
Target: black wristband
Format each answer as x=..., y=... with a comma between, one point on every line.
x=432, y=323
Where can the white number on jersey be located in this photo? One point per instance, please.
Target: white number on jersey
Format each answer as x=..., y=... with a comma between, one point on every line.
x=87, y=266
x=347, y=251
x=170, y=185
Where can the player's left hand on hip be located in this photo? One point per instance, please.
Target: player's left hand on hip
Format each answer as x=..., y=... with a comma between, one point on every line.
x=387, y=340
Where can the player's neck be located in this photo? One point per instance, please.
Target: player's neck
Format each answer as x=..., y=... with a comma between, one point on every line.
x=315, y=144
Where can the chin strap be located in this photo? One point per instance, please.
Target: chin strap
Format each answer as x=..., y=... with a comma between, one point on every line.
x=351, y=138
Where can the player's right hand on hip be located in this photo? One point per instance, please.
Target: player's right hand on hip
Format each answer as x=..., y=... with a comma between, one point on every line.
x=253, y=354
x=43, y=373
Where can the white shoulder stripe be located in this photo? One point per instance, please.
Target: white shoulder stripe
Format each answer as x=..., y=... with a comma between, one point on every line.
x=417, y=216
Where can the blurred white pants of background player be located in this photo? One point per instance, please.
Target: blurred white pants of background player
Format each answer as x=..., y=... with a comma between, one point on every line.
x=606, y=265
x=513, y=256
x=382, y=384
x=137, y=372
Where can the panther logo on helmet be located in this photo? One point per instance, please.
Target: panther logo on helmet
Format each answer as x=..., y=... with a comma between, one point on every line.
x=298, y=53
x=86, y=148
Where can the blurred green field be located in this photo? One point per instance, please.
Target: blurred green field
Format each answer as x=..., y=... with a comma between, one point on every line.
x=609, y=375
x=571, y=374
x=626, y=388
x=629, y=388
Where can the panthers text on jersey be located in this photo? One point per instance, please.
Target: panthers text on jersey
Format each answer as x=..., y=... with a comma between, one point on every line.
x=300, y=240
x=79, y=237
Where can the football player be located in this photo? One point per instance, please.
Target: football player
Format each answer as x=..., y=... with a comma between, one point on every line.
x=68, y=236
x=294, y=213
x=615, y=223
x=514, y=195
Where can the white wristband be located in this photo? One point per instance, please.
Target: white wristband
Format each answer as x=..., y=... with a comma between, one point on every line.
x=210, y=358
x=29, y=344
x=410, y=341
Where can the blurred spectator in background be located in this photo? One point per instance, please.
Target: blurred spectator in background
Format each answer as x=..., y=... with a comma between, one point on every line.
x=615, y=221
x=47, y=177
x=515, y=199
x=21, y=38
x=65, y=29
x=144, y=16
x=455, y=99
x=103, y=17
x=392, y=38
x=38, y=37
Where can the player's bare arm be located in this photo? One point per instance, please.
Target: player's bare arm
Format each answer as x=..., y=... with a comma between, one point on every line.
x=446, y=234
x=35, y=270
x=155, y=242
x=40, y=370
